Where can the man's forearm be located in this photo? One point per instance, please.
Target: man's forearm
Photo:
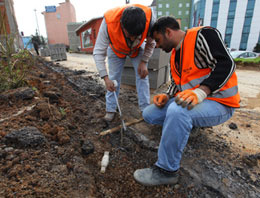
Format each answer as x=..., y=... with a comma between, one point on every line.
x=100, y=64
x=148, y=50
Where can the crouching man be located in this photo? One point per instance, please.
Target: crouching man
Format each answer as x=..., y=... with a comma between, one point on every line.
x=203, y=92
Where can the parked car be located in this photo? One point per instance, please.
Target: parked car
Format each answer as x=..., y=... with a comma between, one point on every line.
x=243, y=54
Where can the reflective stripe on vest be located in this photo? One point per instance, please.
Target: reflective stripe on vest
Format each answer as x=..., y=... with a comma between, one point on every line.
x=116, y=36
x=191, y=76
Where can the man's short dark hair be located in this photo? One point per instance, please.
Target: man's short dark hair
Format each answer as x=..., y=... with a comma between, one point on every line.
x=133, y=20
x=165, y=22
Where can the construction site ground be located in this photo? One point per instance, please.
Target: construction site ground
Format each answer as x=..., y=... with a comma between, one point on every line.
x=50, y=142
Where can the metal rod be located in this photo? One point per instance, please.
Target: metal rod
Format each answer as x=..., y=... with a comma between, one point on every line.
x=120, y=113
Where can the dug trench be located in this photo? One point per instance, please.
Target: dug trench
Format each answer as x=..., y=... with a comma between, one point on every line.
x=50, y=144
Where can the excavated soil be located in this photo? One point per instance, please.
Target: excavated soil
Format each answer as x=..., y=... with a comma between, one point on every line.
x=50, y=144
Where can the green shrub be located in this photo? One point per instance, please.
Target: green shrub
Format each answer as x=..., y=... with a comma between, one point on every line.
x=248, y=61
x=13, y=64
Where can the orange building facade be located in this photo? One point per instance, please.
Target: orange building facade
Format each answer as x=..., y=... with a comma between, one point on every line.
x=56, y=23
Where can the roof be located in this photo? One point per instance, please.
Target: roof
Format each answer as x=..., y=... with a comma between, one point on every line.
x=85, y=24
x=154, y=3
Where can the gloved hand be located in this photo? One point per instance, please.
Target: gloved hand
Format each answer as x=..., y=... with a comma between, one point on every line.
x=190, y=98
x=160, y=100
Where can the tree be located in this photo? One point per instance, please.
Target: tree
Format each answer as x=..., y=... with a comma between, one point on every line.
x=257, y=48
x=38, y=39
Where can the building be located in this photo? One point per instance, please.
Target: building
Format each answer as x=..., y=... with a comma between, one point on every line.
x=27, y=42
x=153, y=7
x=180, y=9
x=8, y=24
x=74, y=40
x=237, y=20
x=56, y=20
x=88, y=32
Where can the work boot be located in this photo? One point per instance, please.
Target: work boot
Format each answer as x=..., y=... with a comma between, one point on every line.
x=155, y=176
x=109, y=116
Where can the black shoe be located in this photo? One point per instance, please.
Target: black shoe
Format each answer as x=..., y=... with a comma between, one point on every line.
x=155, y=176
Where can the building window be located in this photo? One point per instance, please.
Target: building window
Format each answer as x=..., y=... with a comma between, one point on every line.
x=187, y=5
x=230, y=21
x=180, y=5
x=214, y=15
x=58, y=15
x=247, y=24
x=159, y=5
x=86, y=39
x=167, y=5
x=167, y=13
x=179, y=12
x=159, y=13
x=187, y=12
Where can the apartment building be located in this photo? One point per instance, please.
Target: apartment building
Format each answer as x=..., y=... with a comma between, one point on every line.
x=56, y=20
x=237, y=20
x=180, y=9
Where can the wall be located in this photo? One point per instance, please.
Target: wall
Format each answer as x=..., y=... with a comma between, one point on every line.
x=4, y=17
x=74, y=40
x=238, y=24
x=255, y=27
x=176, y=8
x=94, y=26
x=56, y=23
x=11, y=28
x=27, y=42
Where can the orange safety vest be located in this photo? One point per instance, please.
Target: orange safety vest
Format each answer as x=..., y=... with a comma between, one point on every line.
x=115, y=32
x=191, y=76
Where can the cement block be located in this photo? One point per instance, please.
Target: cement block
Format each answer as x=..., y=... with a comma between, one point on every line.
x=156, y=77
x=158, y=60
x=58, y=52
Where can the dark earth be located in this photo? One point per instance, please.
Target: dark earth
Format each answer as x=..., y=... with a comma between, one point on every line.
x=50, y=144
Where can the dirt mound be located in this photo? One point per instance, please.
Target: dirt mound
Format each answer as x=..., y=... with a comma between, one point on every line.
x=59, y=116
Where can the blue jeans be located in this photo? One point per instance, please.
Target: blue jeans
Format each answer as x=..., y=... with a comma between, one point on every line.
x=177, y=123
x=115, y=66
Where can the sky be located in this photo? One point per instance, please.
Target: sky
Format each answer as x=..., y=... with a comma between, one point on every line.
x=28, y=12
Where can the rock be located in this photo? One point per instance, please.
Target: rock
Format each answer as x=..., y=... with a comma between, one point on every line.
x=251, y=160
x=63, y=138
x=25, y=137
x=9, y=149
x=22, y=93
x=53, y=96
x=42, y=75
x=2, y=153
x=87, y=147
x=42, y=110
x=79, y=72
x=232, y=126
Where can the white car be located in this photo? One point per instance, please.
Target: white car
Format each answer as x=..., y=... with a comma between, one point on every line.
x=243, y=54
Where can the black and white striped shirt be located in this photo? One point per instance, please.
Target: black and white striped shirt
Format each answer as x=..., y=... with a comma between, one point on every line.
x=210, y=52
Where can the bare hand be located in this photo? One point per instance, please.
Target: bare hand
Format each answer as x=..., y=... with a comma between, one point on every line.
x=109, y=84
x=142, y=69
